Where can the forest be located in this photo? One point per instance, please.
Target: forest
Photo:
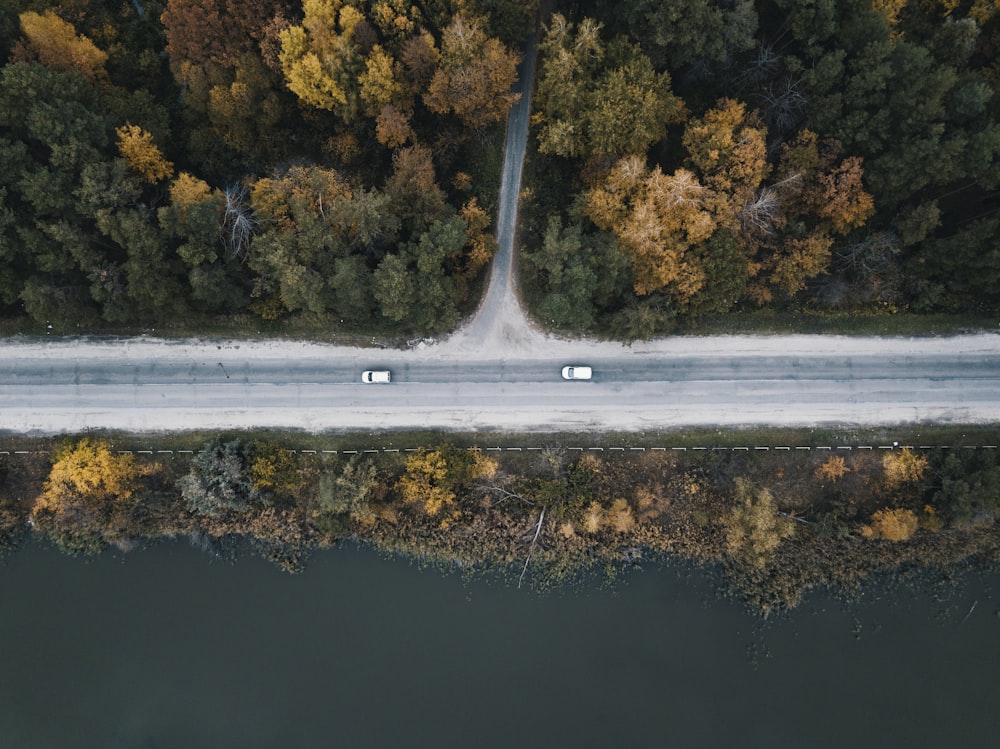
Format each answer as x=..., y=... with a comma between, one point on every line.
x=822, y=156
x=338, y=160
x=774, y=524
x=189, y=158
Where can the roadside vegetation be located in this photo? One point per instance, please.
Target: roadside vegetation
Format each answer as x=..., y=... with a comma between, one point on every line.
x=776, y=524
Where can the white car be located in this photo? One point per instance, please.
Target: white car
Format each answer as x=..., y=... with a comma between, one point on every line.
x=576, y=372
x=378, y=376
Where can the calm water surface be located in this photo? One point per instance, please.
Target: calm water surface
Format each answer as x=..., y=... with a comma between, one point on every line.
x=170, y=648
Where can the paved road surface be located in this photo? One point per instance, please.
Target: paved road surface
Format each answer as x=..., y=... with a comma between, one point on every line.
x=699, y=381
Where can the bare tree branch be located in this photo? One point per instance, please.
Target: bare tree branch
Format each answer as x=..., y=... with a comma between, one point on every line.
x=531, y=549
x=239, y=222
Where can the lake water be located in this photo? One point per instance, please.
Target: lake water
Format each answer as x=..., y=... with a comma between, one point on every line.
x=169, y=647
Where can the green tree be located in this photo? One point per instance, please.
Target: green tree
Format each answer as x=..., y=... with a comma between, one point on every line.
x=345, y=497
x=394, y=289
x=415, y=286
x=311, y=218
x=586, y=89
x=682, y=33
x=581, y=275
x=220, y=480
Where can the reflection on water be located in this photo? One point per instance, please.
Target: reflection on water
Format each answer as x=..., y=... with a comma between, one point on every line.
x=170, y=648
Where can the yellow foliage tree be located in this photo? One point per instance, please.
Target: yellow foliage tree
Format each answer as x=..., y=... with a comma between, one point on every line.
x=88, y=495
x=892, y=525
x=320, y=59
x=381, y=81
x=593, y=518
x=187, y=190
x=311, y=187
x=484, y=467
x=728, y=147
x=903, y=467
x=55, y=43
x=844, y=201
x=792, y=263
x=275, y=469
x=426, y=484
x=141, y=154
x=889, y=9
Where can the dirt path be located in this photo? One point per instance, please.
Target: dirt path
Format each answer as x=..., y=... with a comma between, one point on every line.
x=500, y=327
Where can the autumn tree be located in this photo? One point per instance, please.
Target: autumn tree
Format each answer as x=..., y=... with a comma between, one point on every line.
x=428, y=486
x=216, y=31
x=902, y=467
x=727, y=148
x=320, y=58
x=482, y=244
x=892, y=525
x=142, y=155
x=818, y=197
x=754, y=529
x=475, y=75
x=658, y=219
x=230, y=91
x=619, y=517
x=833, y=468
x=54, y=42
x=274, y=470
x=89, y=497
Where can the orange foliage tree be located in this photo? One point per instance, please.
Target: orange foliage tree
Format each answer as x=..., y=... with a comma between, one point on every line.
x=832, y=468
x=475, y=76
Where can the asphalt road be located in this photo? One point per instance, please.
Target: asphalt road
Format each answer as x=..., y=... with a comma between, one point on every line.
x=206, y=388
